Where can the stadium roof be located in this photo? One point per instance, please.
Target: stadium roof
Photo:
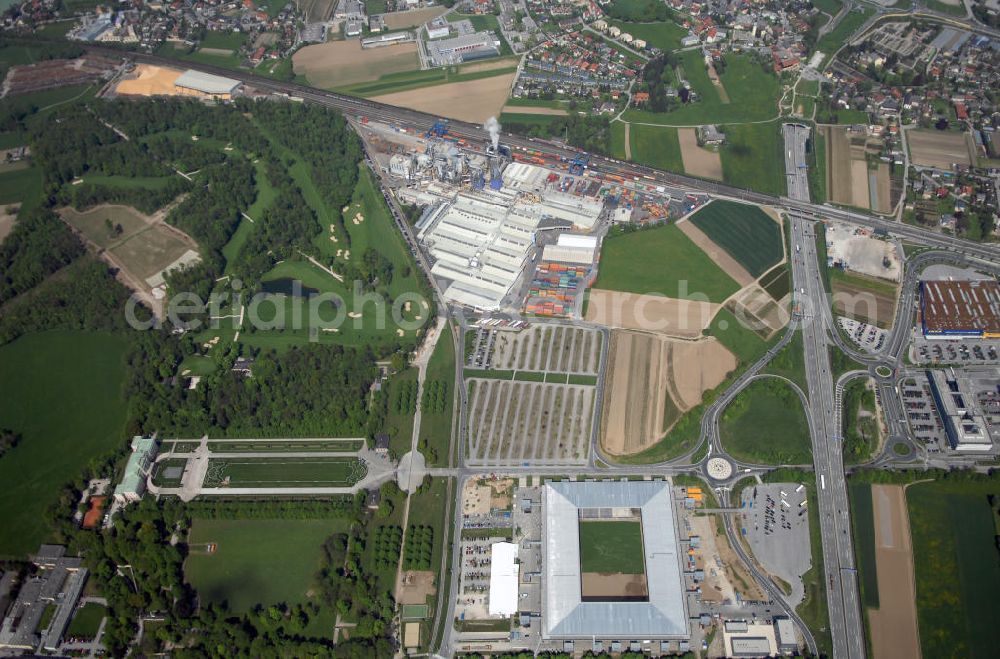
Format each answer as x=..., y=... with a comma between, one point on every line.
x=206, y=82
x=565, y=614
x=503, y=579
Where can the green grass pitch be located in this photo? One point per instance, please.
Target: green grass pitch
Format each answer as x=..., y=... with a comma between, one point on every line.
x=285, y=472
x=259, y=561
x=611, y=547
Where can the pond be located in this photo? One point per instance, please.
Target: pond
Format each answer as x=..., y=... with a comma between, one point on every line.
x=288, y=286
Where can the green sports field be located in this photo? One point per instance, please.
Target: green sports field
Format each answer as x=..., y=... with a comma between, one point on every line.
x=62, y=393
x=957, y=568
x=661, y=260
x=259, y=561
x=611, y=547
x=746, y=232
x=284, y=472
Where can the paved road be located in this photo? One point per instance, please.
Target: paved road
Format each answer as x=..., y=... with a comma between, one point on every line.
x=843, y=602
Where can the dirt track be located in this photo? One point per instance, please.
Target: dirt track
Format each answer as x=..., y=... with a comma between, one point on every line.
x=698, y=161
x=473, y=100
x=531, y=109
x=596, y=584
x=894, y=624
x=664, y=315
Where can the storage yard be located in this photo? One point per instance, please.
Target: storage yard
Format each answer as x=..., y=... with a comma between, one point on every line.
x=553, y=348
x=858, y=249
x=511, y=422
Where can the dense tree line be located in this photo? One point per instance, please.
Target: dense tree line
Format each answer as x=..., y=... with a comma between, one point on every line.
x=83, y=296
x=39, y=245
x=590, y=133
x=657, y=76
x=211, y=213
x=145, y=200
x=8, y=440
x=74, y=143
x=287, y=227
x=332, y=507
x=315, y=390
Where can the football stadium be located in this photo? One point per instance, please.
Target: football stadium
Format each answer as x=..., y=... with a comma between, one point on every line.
x=611, y=562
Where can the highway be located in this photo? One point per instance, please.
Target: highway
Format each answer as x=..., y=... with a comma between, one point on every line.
x=843, y=602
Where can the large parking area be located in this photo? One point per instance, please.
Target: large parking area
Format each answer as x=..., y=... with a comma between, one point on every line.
x=540, y=348
x=925, y=424
x=936, y=351
x=500, y=510
x=511, y=422
x=868, y=337
x=775, y=521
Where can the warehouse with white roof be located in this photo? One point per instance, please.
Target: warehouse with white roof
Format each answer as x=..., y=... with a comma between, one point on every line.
x=196, y=83
x=565, y=614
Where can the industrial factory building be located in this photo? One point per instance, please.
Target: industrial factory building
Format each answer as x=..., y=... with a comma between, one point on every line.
x=463, y=48
x=568, y=612
x=572, y=248
x=196, y=83
x=480, y=242
x=481, y=239
x=960, y=309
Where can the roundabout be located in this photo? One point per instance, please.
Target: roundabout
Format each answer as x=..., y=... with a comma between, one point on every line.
x=719, y=469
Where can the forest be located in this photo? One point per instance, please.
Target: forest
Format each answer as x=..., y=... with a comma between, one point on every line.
x=39, y=245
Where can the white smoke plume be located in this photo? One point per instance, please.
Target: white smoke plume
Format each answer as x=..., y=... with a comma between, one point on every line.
x=493, y=127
